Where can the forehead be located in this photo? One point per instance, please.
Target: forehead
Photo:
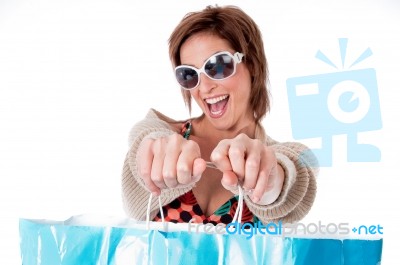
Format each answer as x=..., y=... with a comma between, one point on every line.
x=199, y=47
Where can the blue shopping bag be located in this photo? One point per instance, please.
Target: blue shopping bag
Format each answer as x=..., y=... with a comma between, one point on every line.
x=72, y=243
x=108, y=241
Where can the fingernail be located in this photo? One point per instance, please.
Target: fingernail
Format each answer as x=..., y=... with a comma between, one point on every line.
x=255, y=199
x=247, y=189
x=232, y=186
x=155, y=193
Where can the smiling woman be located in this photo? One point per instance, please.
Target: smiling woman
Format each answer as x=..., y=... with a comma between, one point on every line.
x=219, y=61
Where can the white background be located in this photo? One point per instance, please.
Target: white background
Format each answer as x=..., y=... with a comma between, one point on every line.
x=76, y=75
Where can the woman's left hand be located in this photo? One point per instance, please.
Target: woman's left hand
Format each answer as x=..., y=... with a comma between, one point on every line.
x=251, y=164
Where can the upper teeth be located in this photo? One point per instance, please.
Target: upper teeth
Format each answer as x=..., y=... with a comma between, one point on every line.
x=215, y=100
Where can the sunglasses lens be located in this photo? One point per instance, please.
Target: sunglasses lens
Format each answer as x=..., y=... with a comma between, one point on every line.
x=217, y=67
x=220, y=66
x=187, y=77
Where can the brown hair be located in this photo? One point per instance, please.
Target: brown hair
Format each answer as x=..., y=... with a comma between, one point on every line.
x=235, y=26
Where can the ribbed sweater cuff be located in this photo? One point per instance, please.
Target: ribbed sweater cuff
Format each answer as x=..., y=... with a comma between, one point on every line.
x=297, y=195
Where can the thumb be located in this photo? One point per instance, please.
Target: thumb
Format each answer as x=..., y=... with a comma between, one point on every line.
x=199, y=165
x=229, y=180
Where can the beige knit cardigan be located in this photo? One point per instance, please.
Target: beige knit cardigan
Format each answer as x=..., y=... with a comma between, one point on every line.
x=294, y=202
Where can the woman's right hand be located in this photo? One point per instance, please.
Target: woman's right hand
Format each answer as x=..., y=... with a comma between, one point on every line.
x=169, y=162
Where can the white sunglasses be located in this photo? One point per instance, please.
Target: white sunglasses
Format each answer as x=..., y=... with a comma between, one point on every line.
x=219, y=66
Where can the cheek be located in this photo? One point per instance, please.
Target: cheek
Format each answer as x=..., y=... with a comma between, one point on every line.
x=242, y=83
x=195, y=95
x=242, y=89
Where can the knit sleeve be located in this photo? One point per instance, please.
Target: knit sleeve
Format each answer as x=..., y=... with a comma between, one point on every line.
x=135, y=196
x=299, y=188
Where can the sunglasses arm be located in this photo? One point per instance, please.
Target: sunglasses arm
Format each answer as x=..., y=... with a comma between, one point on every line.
x=238, y=57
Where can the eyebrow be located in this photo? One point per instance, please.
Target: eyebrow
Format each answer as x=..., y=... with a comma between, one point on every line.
x=204, y=60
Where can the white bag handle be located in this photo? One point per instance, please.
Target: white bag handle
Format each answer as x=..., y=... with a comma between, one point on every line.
x=236, y=218
x=148, y=211
x=238, y=214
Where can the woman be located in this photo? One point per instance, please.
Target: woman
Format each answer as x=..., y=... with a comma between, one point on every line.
x=219, y=61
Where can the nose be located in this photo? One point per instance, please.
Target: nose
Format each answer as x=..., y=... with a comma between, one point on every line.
x=206, y=84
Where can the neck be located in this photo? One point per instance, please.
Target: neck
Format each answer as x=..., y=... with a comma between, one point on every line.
x=204, y=129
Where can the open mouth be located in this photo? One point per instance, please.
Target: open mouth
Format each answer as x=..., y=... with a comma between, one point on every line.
x=217, y=105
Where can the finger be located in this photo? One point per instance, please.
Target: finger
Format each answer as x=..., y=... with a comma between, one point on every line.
x=158, y=162
x=144, y=163
x=190, y=151
x=219, y=156
x=229, y=180
x=172, y=153
x=199, y=165
x=253, y=161
x=237, y=156
x=267, y=167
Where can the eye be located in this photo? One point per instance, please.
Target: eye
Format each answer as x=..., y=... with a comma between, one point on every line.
x=211, y=69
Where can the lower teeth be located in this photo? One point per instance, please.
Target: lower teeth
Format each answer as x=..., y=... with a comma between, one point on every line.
x=216, y=113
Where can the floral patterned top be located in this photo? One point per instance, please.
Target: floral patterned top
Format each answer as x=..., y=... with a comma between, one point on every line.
x=185, y=208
